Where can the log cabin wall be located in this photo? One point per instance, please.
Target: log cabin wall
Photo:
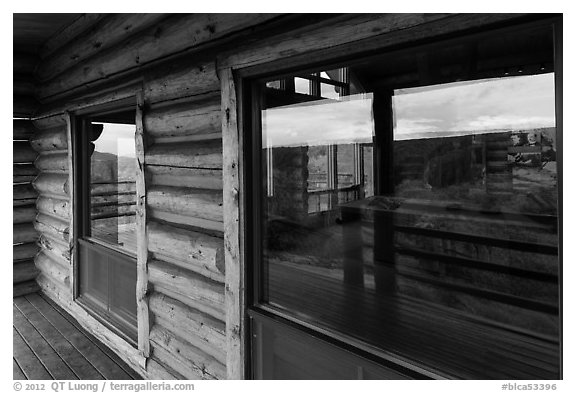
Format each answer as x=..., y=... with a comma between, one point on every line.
x=54, y=206
x=180, y=63
x=184, y=210
x=24, y=198
x=183, y=176
x=24, y=195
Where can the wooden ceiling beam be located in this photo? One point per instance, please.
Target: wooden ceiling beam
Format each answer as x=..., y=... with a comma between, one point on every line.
x=173, y=35
x=110, y=31
x=67, y=34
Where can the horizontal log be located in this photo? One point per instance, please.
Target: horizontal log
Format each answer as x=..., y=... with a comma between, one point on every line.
x=176, y=363
x=187, y=138
x=202, y=307
x=57, y=120
x=24, y=106
x=214, y=228
x=23, y=179
x=52, y=161
x=24, y=271
x=108, y=200
x=155, y=369
x=181, y=79
x=191, y=250
x=112, y=211
x=23, y=129
x=24, y=192
x=23, y=173
x=202, y=154
x=60, y=208
x=174, y=34
x=54, y=268
x=111, y=30
x=53, y=227
x=24, y=251
x=24, y=233
x=57, y=248
x=191, y=202
x=346, y=29
x=24, y=170
x=24, y=202
x=52, y=184
x=23, y=152
x=174, y=177
x=23, y=214
x=50, y=139
x=25, y=288
x=186, y=359
x=184, y=119
x=72, y=31
x=193, y=289
x=54, y=289
x=24, y=85
x=113, y=189
x=196, y=328
x=24, y=63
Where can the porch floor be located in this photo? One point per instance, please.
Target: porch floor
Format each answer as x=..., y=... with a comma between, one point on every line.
x=50, y=344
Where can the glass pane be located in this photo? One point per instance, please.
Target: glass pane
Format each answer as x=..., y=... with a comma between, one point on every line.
x=302, y=86
x=113, y=185
x=435, y=237
x=367, y=171
x=274, y=84
x=329, y=91
x=318, y=184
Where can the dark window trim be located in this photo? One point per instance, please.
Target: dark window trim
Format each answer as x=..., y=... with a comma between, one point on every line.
x=341, y=341
x=305, y=64
x=558, y=69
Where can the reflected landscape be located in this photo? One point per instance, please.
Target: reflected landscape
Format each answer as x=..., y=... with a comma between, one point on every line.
x=420, y=220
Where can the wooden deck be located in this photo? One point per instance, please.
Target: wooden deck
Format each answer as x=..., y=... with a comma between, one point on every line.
x=50, y=344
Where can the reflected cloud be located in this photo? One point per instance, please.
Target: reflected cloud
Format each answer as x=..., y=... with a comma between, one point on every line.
x=323, y=122
x=484, y=106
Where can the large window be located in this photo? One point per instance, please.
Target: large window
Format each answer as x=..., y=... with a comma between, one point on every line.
x=106, y=205
x=407, y=204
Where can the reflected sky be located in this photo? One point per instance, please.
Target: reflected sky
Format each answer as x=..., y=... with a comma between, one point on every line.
x=319, y=122
x=117, y=139
x=453, y=109
x=464, y=108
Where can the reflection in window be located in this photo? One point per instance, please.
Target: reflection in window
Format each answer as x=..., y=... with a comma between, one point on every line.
x=477, y=153
x=113, y=182
x=417, y=212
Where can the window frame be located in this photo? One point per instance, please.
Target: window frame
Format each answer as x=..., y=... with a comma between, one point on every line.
x=79, y=120
x=252, y=175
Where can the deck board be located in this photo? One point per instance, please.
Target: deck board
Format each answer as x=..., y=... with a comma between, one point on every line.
x=74, y=359
x=47, y=345
x=42, y=350
x=17, y=371
x=106, y=366
x=28, y=362
x=100, y=345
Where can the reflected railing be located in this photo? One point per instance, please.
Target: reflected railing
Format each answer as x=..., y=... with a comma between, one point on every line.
x=113, y=212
